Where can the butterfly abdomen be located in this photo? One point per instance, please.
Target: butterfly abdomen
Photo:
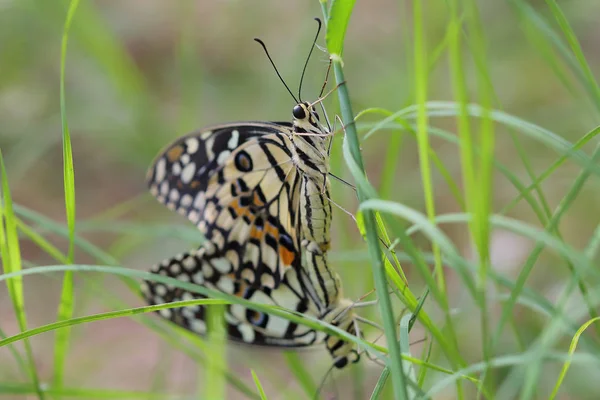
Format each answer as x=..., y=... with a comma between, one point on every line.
x=316, y=211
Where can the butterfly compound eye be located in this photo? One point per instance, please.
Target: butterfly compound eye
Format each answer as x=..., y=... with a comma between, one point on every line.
x=298, y=112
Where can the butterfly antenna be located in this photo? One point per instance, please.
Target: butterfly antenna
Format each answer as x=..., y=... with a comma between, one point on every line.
x=275, y=68
x=308, y=58
x=322, y=384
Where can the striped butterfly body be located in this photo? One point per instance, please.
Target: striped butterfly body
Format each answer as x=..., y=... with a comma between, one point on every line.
x=258, y=191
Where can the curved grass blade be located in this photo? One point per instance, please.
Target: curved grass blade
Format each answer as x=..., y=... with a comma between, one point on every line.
x=65, y=309
x=11, y=261
x=567, y=363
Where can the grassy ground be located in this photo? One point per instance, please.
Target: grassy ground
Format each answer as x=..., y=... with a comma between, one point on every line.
x=475, y=124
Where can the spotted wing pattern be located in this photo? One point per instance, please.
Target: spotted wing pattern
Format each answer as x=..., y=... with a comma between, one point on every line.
x=238, y=184
x=244, y=324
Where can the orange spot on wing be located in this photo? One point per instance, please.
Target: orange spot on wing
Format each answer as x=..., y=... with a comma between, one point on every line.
x=194, y=184
x=257, y=201
x=239, y=210
x=174, y=153
x=256, y=233
x=287, y=257
x=272, y=230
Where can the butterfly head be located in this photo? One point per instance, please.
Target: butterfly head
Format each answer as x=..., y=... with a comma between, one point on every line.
x=306, y=119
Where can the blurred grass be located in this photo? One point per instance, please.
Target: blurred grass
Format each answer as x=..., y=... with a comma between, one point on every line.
x=507, y=117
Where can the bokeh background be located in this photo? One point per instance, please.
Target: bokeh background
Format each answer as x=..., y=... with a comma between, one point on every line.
x=141, y=73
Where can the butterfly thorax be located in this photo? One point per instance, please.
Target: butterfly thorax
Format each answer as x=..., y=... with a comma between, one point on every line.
x=310, y=155
x=310, y=142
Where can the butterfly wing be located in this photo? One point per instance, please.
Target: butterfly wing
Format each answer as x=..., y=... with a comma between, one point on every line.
x=237, y=183
x=243, y=324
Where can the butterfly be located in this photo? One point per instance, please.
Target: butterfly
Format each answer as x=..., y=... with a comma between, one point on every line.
x=259, y=193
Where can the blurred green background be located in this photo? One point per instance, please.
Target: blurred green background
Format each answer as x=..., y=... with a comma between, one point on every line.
x=141, y=73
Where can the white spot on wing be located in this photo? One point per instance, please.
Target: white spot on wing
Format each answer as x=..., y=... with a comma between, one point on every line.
x=192, y=145
x=223, y=157
x=200, y=201
x=186, y=200
x=248, y=274
x=205, y=135
x=188, y=313
x=185, y=159
x=234, y=140
x=225, y=285
x=209, y=247
x=277, y=326
x=189, y=263
x=222, y=265
x=175, y=269
x=166, y=312
x=267, y=280
x=247, y=333
x=198, y=278
x=198, y=326
x=207, y=271
x=210, y=213
x=160, y=170
x=194, y=216
x=238, y=311
x=164, y=188
x=188, y=173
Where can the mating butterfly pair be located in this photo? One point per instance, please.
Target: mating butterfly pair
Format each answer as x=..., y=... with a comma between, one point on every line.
x=259, y=192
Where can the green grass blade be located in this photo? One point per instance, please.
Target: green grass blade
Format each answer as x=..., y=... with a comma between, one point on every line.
x=261, y=391
x=337, y=23
x=11, y=261
x=65, y=309
x=215, y=382
x=545, y=136
x=567, y=363
x=290, y=315
x=421, y=76
x=380, y=385
x=19, y=389
x=575, y=48
x=351, y=141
